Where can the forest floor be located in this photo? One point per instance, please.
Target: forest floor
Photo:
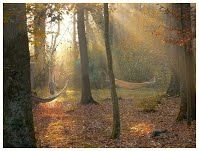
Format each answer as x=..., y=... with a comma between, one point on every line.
x=65, y=123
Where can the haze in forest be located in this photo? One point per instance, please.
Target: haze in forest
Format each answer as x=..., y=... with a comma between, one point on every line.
x=99, y=75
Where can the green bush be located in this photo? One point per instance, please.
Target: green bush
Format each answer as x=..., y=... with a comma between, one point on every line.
x=149, y=104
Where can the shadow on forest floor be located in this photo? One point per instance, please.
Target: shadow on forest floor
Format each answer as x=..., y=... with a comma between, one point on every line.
x=68, y=124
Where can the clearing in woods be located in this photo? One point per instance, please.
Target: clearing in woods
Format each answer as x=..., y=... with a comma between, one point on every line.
x=66, y=123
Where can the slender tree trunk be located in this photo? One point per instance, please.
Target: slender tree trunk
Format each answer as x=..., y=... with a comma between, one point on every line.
x=17, y=118
x=51, y=75
x=86, y=96
x=75, y=50
x=116, y=114
x=86, y=23
x=39, y=44
x=111, y=22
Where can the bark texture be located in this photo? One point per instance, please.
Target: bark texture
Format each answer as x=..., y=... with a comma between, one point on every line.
x=39, y=45
x=86, y=96
x=114, y=98
x=189, y=59
x=173, y=51
x=187, y=81
x=174, y=85
x=18, y=126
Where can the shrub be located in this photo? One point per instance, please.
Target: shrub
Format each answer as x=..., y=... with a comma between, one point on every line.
x=149, y=104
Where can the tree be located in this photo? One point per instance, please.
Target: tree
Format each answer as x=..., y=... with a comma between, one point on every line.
x=39, y=43
x=193, y=41
x=86, y=96
x=75, y=49
x=174, y=85
x=52, y=84
x=178, y=57
x=17, y=118
x=116, y=114
x=187, y=81
x=183, y=104
x=173, y=52
x=189, y=62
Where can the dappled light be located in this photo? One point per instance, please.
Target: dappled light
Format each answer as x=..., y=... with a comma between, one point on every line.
x=94, y=75
x=52, y=103
x=142, y=129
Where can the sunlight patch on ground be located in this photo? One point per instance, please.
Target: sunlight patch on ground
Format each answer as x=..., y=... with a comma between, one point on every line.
x=55, y=132
x=142, y=129
x=55, y=104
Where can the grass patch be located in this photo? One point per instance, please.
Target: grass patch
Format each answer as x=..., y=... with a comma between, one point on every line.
x=102, y=94
x=74, y=95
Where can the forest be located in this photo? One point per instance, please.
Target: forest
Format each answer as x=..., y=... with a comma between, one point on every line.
x=99, y=75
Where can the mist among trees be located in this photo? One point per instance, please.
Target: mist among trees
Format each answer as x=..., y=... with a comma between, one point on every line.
x=99, y=75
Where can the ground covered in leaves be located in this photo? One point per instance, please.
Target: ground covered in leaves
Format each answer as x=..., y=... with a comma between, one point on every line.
x=69, y=124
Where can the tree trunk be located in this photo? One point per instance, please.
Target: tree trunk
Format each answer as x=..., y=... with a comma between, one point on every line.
x=174, y=85
x=193, y=29
x=75, y=49
x=86, y=96
x=17, y=118
x=173, y=51
x=180, y=70
x=183, y=105
x=189, y=59
x=116, y=114
x=51, y=75
x=39, y=44
x=188, y=88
